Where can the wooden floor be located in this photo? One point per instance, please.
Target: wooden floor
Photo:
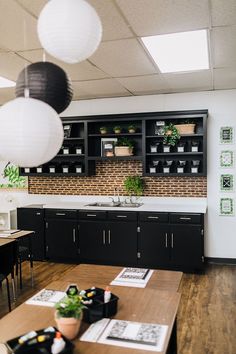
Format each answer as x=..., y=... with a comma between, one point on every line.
x=207, y=314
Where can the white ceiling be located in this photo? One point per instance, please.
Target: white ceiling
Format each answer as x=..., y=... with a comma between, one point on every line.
x=121, y=66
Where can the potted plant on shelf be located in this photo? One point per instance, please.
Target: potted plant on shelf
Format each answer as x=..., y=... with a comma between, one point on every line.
x=124, y=147
x=69, y=313
x=103, y=130
x=117, y=129
x=171, y=135
x=134, y=186
x=187, y=127
x=132, y=128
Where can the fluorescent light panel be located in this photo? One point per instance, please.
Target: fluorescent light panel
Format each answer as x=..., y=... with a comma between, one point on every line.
x=6, y=83
x=184, y=51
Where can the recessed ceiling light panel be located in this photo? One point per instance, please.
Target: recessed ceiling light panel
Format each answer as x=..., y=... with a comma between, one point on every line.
x=184, y=51
x=6, y=83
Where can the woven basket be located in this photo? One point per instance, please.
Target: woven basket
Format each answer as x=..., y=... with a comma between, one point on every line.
x=123, y=151
x=185, y=128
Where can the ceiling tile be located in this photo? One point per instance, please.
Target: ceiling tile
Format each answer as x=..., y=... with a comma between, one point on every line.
x=194, y=81
x=224, y=78
x=82, y=71
x=98, y=88
x=11, y=65
x=13, y=35
x=33, y=6
x=149, y=84
x=123, y=58
x=224, y=46
x=113, y=24
x=223, y=12
x=165, y=16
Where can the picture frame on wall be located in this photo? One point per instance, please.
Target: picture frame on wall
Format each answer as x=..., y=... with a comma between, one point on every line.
x=226, y=135
x=226, y=183
x=227, y=158
x=227, y=206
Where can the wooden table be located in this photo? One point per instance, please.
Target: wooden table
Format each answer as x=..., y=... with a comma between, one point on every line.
x=160, y=279
x=135, y=304
x=20, y=235
x=5, y=241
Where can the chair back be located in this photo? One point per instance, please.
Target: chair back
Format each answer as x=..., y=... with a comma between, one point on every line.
x=8, y=256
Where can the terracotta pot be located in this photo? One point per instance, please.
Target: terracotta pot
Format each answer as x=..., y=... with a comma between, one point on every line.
x=68, y=326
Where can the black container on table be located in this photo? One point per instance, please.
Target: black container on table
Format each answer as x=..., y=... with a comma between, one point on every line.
x=35, y=348
x=98, y=309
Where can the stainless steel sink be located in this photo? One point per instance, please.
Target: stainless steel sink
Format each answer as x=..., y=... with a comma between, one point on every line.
x=115, y=205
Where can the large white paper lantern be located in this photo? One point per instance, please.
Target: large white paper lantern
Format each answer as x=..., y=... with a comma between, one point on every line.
x=69, y=30
x=31, y=132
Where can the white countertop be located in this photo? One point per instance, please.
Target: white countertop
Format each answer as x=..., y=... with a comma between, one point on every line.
x=185, y=205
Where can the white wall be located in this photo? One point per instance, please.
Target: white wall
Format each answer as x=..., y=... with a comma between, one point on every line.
x=221, y=235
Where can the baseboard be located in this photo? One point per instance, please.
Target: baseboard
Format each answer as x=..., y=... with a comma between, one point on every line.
x=220, y=260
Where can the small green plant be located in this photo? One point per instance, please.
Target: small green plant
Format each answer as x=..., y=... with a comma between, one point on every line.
x=125, y=142
x=70, y=306
x=134, y=185
x=132, y=127
x=171, y=135
x=103, y=129
x=117, y=128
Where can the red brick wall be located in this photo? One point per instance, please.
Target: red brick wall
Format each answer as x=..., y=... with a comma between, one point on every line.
x=112, y=174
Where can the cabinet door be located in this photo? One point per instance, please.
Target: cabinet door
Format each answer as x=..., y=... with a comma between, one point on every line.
x=153, y=245
x=33, y=219
x=92, y=243
x=186, y=246
x=121, y=243
x=61, y=239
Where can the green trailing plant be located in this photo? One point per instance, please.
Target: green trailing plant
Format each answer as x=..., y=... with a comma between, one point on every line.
x=171, y=135
x=134, y=185
x=70, y=306
x=125, y=142
x=15, y=180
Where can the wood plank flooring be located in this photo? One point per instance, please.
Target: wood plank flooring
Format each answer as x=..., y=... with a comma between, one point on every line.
x=207, y=314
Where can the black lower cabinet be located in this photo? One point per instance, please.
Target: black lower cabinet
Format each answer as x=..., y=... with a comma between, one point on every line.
x=105, y=239
x=61, y=235
x=32, y=218
x=171, y=241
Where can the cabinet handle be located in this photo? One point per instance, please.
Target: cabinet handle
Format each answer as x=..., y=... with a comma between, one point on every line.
x=121, y=216
x=38, y=213
x=185, y=218
x=172, y=240
x=46, y=225
x=153, y=217
x=74, y=235
x=103, y=237
x=166, y=240
x=60, y=214
x=109, y=237
x=91, y=214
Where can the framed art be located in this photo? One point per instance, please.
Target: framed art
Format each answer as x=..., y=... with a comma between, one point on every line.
x=227, y=206
x=108, y=147
x=10, y=177
x=226, y=135
x=227, y=183
x=227, y=158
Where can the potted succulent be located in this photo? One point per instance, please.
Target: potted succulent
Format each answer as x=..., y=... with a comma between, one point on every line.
x=171, y=135
x=124, y=147
x=132, y=128
x=117, y=129
x=69, y=313
x=103, y=130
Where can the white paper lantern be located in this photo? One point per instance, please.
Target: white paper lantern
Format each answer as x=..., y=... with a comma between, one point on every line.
x=31, y=132
x=69, y=30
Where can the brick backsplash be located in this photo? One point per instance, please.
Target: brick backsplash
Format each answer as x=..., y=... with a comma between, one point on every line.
x=112, y=174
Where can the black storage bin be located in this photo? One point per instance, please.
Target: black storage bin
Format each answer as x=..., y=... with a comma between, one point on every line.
x=98, y=309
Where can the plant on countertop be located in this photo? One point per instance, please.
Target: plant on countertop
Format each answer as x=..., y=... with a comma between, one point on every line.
x=171, y=135
x=134, y=185
x=125, y=142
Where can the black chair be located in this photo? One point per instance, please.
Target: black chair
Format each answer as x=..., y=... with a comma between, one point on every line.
x=23, y=254
x=8, y=259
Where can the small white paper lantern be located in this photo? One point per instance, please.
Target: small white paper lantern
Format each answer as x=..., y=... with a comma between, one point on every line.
x=31, y=132
x=69, y=30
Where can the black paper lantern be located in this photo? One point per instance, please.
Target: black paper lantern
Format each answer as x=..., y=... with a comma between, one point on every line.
x=46, y=82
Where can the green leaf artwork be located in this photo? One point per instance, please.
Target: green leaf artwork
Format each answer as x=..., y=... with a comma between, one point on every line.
x=227, y=206
x=10, y=177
